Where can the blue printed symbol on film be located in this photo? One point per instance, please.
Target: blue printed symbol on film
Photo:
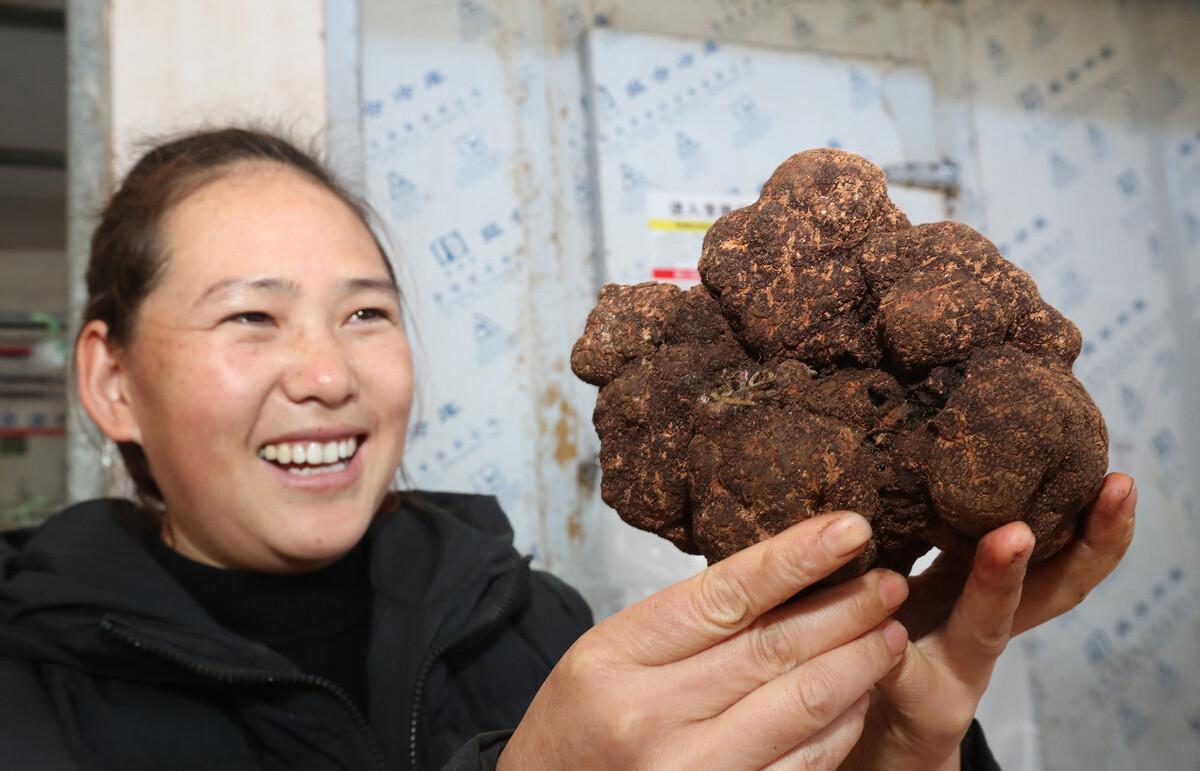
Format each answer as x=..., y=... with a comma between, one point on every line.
x=1097, y=646
x=1133, y=722
x=1024, y=234
x=491, y=480
x=633, y=185
x=1062, y=171
x=1030, y=98
x=478, y=159
x=1097, y=142
x=603, y=98
x=1187, y=146
x=470, y=274
x=468, y=439
x=1191, y=227
x=491, y=231
x=451, y=250
x=752, y=121
x=1168, y=680
x=1043, y=30
x=998, y=56
x=690, y=153
x=1127, y=183
x=863, y=90
x=1174, y=93
x=488, y=478
x=1164, y=444
x=404, y=198
x=474, y=20
x=1133, y=403
x=1068, y=81
x=802, y=31
x=448, y=410
x=491, y=340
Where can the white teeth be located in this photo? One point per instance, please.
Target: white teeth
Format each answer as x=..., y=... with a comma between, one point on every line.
x=311, y=453
x=308, y=471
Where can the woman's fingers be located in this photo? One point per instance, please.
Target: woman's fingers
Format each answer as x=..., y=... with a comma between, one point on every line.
x=719, y=602
x=784, y=638
x=980, y=624
x=829, y=747
x=795, y=707
x=1061, y=583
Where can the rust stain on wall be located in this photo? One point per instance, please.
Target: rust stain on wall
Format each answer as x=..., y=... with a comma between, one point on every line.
x=566, y=425
x=575, y=526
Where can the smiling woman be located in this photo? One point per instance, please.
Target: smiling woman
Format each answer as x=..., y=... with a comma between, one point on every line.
x=267, y=604
x=274, y=319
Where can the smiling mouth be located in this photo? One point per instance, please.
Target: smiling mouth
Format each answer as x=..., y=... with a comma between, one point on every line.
x=313, y=458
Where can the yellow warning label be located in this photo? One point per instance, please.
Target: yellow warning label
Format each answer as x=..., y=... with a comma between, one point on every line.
x=670, y=224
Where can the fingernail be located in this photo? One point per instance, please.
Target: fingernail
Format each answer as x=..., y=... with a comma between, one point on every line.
x=896, y=637
x=1132, y=490
x=1021, y=558
x=893, y=589
x=862, y=705
x=846, y=534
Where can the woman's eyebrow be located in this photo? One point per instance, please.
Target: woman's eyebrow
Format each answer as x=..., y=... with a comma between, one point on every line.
x=351, y=285
x=263, y=284
x=287, y=286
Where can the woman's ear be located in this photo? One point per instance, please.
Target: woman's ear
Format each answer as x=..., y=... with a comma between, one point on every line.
x=101, y=384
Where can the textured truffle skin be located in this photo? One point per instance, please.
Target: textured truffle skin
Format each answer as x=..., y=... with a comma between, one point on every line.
x=837, y=357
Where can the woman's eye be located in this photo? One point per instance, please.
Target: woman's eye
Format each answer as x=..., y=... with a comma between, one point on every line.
x=250, y=317
x=369, y=314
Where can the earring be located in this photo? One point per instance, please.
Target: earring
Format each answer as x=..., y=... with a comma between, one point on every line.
x=108, y=454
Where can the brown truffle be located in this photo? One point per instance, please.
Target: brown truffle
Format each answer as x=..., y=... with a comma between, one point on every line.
x=836, y=357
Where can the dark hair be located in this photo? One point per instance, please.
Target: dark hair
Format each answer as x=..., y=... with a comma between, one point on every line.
x=127, y=257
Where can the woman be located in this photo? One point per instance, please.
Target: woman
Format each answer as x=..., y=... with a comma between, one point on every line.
x=270, y=605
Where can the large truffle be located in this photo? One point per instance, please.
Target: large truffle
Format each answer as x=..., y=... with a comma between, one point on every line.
x=837, y=357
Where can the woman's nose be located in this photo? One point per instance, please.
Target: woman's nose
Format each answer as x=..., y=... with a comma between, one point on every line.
x=320, y=370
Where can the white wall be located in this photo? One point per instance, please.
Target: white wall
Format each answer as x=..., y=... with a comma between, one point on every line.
x=176, y=66
x=1069, y=121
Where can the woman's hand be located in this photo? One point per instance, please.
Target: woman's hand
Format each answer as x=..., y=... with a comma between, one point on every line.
x=712, y=673
x=920, y=711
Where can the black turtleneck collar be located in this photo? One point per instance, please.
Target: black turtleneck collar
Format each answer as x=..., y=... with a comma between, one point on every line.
x=319, y=620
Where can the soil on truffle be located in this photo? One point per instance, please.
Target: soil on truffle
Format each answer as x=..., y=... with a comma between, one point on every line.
x=838, y=357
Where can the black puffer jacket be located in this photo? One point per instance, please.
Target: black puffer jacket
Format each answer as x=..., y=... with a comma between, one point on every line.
x=106, y=662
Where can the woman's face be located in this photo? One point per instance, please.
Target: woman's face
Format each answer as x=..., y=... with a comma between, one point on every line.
x=269, y=374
